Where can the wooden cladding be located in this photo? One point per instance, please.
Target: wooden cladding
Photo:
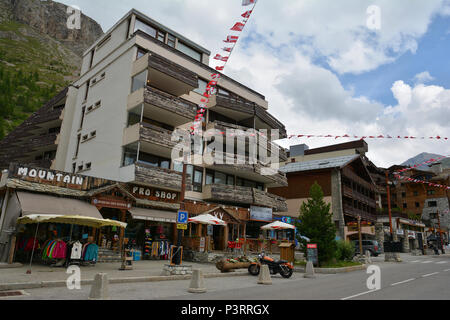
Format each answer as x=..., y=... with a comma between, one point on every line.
x=156, y=135
x=159, y=177
x=354, y=212
x=252, y=109
x=246, y=196
x=170, y=103
x=173, y=69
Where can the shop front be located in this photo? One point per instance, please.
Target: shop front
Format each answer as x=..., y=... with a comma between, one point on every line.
x=411, y=234
x=257, y=239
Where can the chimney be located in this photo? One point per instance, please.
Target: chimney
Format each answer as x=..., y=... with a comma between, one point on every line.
x=298, y=150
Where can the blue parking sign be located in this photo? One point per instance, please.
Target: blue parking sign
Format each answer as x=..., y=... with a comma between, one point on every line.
x=182, y=217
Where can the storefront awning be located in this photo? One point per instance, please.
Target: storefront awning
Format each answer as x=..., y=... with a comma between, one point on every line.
x=153, y=215
x=42, y=204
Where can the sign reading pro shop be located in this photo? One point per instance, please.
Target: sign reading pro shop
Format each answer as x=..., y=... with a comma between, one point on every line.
x=261, y=214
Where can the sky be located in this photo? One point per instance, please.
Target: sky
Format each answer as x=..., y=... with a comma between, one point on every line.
x=352, y=67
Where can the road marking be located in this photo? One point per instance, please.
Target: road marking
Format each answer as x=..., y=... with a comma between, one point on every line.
x=429, y=261
x=415, y=261
x=359, y=294
x=430, y=274
x=441, y=262
x=446, y=270
x=397, y=283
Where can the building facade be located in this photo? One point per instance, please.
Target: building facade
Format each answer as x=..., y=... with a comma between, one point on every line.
x=139, y=83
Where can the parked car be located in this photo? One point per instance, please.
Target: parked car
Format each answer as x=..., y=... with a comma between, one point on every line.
x=368, y=245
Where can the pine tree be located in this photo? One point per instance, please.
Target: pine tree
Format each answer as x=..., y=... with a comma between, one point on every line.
x=317, y=224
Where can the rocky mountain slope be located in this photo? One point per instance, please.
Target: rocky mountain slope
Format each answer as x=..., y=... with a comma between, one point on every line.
x=421, y=158
x=39, y=55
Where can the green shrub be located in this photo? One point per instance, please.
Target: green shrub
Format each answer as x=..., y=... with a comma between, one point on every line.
x=345, y=250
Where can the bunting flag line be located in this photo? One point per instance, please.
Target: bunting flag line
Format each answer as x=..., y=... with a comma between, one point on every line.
x=308, y=136
x=246, y=14
x=239, y=26
x=210, y=88
x=231, y=39
x=248, y=2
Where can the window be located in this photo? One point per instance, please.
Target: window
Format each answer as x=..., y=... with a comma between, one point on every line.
x=139, y=81
x=129, y=155
x=416, y=193
x=78, y=145
x=201, y=86
x=171, y=41
x=74, y=167
x=403, y=194
x=230, y=180
x=83, y=111
x=140, y=53
x=198, y=179
x=88, y=84
x=145, y=28
x=80, y=167
x=85, y=137
x=161, y=36
x=209, y=177
x=154, y=161
x=91, y=62
x=93, y=134
x=431, y=192
x=177, y=166
x=432, y=204
x=405, y=206
x=189, y=51
x=88, y=166
x=220, y=178
x=417, y=205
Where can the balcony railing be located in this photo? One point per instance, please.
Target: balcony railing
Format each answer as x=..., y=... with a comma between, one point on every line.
x=158, y=177
x=170, y=103
x=349, y=192
x=260, y=172
x=223, y=127
x=173, y=69
x=244, y=196
x=156, y=135
x=42, y=141
x=354, y=212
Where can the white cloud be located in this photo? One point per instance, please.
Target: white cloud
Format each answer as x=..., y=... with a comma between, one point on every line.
x=281, y=64
x=423, y=77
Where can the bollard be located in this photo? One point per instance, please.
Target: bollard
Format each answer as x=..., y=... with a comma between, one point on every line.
x=197, y=282
x=100, y=287
x=264, y=275
x=309, y=271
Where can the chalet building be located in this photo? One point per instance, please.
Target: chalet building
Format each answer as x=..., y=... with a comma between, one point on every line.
x=346, y=183
x=138, y=83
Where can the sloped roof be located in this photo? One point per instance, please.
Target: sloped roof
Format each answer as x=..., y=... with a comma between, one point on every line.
x=328, y=163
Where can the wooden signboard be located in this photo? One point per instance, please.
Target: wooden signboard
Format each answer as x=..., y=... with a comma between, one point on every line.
x=154, y=194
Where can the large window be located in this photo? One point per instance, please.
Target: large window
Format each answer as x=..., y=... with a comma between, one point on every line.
x=154, y=161
x=145, y=28
x=129, y=155
x=189, y=51
x=139, y=81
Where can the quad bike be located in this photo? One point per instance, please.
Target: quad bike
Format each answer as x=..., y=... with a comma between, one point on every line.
x=284, y=268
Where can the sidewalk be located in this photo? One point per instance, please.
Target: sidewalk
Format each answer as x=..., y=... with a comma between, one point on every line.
x=45, y=276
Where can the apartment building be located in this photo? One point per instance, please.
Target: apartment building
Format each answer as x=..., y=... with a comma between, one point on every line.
x=347, y=185
x=138, y=83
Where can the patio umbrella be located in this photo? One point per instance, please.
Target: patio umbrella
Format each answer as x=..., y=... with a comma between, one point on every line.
x=207, y=219
x=278, y=225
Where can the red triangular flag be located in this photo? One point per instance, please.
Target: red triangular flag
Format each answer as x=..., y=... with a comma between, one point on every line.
x=239, y=26
x=247, y=14
x=231, y=39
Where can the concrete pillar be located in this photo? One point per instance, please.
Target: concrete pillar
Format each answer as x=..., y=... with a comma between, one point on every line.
x=405, y=242
x=379, y=234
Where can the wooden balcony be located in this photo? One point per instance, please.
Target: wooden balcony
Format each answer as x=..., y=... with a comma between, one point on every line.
x=241, y=166
x=166, y=108
x=262, y=139
x=158, y=177
x=43, y=141
x=244, y=196
x=349, y=192
x=354, y=212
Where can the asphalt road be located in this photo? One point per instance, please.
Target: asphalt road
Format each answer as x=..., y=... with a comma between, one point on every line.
x=423, y=277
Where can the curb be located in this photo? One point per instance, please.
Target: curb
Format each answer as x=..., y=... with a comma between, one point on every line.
x=333, y=270
x=62, y=283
